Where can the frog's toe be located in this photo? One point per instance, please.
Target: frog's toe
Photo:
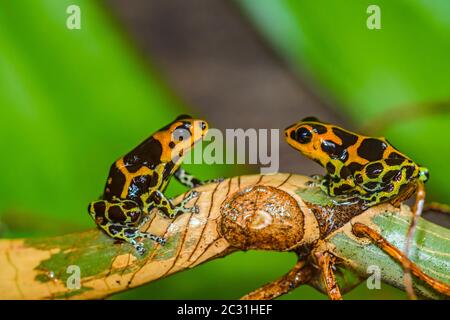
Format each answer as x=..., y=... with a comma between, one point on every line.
x=140, y=248
x=195, y=209
x=193, y=194
x=313, y=183
x=173, y=215
x=157, y=239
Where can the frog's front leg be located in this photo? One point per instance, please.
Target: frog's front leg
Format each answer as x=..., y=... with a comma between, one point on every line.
x=122, y=220
x=190, y=181
x=316, y=181
x=342, y=191
x=338, y=182
x=159, y=200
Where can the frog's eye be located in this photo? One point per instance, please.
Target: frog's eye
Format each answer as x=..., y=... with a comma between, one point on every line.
x=181, y=134
x=302, y=135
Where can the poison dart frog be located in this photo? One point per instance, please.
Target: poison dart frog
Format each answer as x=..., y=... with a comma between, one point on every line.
x=137, y=181
x=361, y=169
x=368, y=169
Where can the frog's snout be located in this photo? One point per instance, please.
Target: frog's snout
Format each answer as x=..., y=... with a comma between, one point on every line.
x=203, y=125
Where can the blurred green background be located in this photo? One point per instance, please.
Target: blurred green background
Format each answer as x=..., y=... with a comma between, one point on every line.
x=75, y=100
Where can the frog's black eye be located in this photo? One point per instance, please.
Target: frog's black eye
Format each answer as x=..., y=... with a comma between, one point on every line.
x=302, y=135
x=181, y=133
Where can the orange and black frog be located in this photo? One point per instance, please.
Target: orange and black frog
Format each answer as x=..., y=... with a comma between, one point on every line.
x=357, y=167
x=137, y=181
x=361, y=169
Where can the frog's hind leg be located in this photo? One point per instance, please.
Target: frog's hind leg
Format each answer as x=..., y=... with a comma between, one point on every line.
x=116, y=211
x=122, y=220
x=376, y=192
x=190, y=181
x=316, y=181
x=361, y=230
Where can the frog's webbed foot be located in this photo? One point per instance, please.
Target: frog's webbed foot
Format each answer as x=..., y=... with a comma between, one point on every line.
x=317, y=180
x=122, y=219
x=139, y=246
x=117, y=211
x=191, y=195
x=181, y=207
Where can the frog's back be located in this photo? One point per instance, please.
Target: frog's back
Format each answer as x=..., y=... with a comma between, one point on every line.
x=135, y=173
x=363, y=149
x=354, y=149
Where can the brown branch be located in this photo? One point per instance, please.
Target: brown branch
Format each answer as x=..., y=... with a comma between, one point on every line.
x=270, y=212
